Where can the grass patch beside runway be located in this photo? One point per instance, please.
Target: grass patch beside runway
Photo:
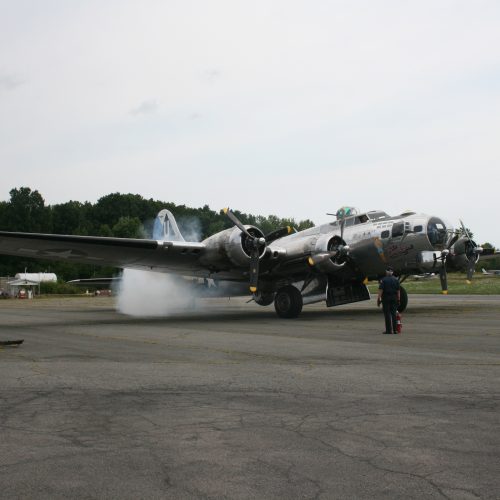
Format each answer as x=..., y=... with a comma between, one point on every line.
x=457, y=285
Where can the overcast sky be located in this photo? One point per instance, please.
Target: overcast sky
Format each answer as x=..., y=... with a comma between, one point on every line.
x=293, y=108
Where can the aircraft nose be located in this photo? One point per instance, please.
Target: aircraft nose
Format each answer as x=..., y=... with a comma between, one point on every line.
x=436, y=232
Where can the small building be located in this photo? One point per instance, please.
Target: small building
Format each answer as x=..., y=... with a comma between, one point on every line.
x=22, y=288
x=24, y=285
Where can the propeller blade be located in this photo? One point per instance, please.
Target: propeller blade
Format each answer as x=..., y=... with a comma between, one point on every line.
x=443, y=276
x=342, y=227
x=254, y=267
x=473, y=258
x=453, y=240
x=256, y=242
x=464, y=229
x=279, y=233
x=236, y=222
x=470, y=268
x=472, y=254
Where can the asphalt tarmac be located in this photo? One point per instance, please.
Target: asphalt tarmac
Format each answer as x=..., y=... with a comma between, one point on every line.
x=232, y=402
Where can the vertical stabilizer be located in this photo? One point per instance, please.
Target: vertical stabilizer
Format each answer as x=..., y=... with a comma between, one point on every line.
x=165, y=227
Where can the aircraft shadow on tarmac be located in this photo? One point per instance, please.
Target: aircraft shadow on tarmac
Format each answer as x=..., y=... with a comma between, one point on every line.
x=217, y=315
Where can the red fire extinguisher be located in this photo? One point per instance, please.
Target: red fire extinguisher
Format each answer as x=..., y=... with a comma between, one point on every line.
x=399, y=324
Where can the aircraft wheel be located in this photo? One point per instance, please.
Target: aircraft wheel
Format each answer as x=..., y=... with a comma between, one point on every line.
x=288, y=302
x=403, y=299
x=263, y=299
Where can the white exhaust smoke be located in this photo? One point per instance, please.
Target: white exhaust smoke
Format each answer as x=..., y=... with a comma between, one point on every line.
x=145, y=293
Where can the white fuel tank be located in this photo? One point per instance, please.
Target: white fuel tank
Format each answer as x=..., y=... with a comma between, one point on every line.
x=38, y=277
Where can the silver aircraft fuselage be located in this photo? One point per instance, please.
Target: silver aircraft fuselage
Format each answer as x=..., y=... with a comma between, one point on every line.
x=410, y=243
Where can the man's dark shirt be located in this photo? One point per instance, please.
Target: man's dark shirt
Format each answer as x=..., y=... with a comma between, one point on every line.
x=389, y=286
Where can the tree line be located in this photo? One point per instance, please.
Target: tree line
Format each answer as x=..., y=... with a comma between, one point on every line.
x=116, y=215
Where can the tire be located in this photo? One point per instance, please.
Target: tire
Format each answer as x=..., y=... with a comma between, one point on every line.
x=263, y=299
x=288, y=302
x=403, y=299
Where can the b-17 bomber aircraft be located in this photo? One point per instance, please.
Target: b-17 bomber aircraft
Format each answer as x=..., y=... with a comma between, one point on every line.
x=332, y=262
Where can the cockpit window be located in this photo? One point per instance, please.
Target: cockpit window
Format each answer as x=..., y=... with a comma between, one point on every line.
x=377, y=215
x=436, y=231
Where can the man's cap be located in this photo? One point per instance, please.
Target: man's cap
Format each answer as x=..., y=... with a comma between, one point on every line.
x=390, y=269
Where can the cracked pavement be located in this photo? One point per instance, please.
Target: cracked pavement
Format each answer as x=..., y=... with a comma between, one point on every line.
x=230, y=401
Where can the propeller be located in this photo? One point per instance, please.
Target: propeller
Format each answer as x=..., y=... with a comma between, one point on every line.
x=331, y=260
x=255, y=244
x=465, y=230
x=236, y=222
x=443, y=275
x=341, y=250
x=463, y=253
x=472, y=252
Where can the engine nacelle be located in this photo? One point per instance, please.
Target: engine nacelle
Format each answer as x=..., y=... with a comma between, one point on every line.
x=462, y=252
x=327, y=243
x=323, y=262
x=230, y=248
x=321, y=256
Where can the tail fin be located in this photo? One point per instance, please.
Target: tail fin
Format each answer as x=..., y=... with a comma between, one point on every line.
x=165, y=227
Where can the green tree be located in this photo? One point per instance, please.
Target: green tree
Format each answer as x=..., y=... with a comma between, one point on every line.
x=127, y=227
x=105, y=230
x=71, y=217
x=111, y=207
x=3, y=215
x=26, y=211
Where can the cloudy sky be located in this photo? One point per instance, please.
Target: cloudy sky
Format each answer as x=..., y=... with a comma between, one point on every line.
x=293, y=108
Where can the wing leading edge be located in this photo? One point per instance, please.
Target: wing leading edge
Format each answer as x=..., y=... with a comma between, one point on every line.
x=161, y=256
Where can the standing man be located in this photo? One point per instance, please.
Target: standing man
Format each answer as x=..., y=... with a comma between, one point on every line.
x=388, y=295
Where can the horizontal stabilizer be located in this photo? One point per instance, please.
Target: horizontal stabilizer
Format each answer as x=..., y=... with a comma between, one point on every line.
x=95, y=281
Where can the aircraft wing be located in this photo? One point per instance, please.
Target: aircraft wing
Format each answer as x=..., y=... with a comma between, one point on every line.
x=162, y=256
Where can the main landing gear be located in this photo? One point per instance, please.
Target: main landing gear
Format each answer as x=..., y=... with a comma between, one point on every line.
x=288, y=302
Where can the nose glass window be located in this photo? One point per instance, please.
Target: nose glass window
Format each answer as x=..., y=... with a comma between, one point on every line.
x=436, y=231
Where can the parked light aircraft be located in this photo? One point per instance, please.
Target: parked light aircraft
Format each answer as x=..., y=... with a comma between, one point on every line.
x=332, y=262
x=491, y=272
x=425, y=276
